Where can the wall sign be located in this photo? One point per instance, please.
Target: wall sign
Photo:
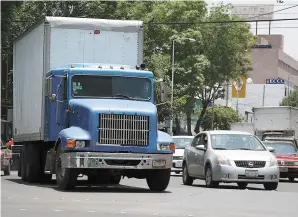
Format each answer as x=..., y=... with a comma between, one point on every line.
x=275, y=81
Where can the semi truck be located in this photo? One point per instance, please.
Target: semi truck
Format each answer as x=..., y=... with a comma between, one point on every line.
x=84, y=104
x=276, y=123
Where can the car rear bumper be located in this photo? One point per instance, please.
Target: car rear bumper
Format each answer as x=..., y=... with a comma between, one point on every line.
x=94, y=160
x=238, y=174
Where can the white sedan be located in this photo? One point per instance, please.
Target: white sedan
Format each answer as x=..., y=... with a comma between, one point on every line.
x=180, y=143
x=230, y=156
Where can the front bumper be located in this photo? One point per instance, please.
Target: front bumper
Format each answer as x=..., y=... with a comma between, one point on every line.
x=225, y=173
x=177, y=166
x=286, y=172
x=99, y=160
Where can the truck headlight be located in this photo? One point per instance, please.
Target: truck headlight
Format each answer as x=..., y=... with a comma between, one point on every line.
x=71, y=143
x=166, y=147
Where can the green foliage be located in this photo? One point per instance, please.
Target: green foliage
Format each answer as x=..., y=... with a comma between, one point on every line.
x=201, y=67
x=291, y=100
x=223, y=118
x=225, y=46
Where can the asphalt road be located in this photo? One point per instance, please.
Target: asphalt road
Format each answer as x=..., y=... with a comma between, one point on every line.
x=133, y=199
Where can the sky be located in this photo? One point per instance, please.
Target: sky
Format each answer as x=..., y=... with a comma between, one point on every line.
x=289, y=29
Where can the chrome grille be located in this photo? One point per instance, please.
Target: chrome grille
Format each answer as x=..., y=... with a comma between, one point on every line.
x=126, y=130
x=250, y=164
x=288, y=163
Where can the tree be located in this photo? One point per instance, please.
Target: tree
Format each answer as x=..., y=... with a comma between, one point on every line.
x=226, y=48
x=291, y=100
x=223, y=118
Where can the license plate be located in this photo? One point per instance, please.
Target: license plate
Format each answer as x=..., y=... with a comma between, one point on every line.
x=178, y=164
x=159, y=163
x=251, y=173
x=283, y=169
x=93, y=162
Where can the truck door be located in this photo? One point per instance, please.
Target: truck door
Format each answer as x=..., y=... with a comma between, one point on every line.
x=56, y=106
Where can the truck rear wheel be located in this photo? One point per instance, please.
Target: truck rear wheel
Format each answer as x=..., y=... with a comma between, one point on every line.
x=66, y=178
x=33, y=170
x=158, y=180
x=23, y=163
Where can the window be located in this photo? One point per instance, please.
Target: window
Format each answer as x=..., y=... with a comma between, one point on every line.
x=236, y=142
x=196, y=141
x=92, y=86
x=48, y=90
x=181, y=143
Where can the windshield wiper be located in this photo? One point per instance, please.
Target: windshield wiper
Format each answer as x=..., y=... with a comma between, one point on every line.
x=249, y=149
x=220, y=148
x=123, y=96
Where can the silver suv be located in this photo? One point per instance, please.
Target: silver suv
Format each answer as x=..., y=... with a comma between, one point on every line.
x=230, y=156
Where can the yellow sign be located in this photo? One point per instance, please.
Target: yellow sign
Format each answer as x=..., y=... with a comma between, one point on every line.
x=239, y=87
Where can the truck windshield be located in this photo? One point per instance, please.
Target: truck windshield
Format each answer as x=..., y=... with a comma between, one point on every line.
x=93, y=86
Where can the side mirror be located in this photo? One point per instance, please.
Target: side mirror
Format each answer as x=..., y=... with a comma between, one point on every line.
x=271, y=149
x=201, y=147
x=53, y=97
x=164, y=92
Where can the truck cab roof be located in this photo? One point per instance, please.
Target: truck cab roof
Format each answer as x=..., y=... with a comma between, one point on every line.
x=100, y=69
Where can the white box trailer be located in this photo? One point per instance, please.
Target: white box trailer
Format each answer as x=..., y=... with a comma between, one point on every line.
x=55, y=42
x=282, y=119
x=244, y=127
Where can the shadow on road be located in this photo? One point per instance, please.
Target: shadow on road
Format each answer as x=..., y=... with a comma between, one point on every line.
x=288, y=181
x=84, y=187
x=230, y=187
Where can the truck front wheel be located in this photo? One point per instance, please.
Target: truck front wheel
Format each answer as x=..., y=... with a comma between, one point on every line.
x=66, y=178
x=158, y=180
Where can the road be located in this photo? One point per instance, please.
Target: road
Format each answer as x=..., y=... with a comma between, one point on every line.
x=133, y=199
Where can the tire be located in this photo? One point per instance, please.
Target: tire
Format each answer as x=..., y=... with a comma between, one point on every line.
x=242, y=185
x=33, y=170
x=24, y=163
x=7, y=171
x=209, y=178
x=115, y=179
x=47, y=177
x=158, y=180
x=271, y=186
x=291, y=179
x=66, y=179
x=187, y=180
x=20, y=166
x=177, y=173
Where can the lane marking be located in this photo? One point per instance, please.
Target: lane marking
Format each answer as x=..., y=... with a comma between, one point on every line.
x=23, y=209
x=57, y=210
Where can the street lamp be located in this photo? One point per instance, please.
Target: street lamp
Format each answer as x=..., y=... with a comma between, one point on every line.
x=173, y=67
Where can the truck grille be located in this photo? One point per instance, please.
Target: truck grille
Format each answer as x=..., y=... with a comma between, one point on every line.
x=250, y=164
x=126, y=130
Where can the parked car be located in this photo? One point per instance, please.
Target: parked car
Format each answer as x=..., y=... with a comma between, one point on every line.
x=180, y=143
x=230, y=157
x=6, y=159
x=287, y=157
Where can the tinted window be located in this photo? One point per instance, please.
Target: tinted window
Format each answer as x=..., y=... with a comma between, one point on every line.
x=181, y=143
x=235, y=142
x=111, y=87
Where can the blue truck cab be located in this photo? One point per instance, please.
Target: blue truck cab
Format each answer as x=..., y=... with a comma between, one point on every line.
x=101, y=121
